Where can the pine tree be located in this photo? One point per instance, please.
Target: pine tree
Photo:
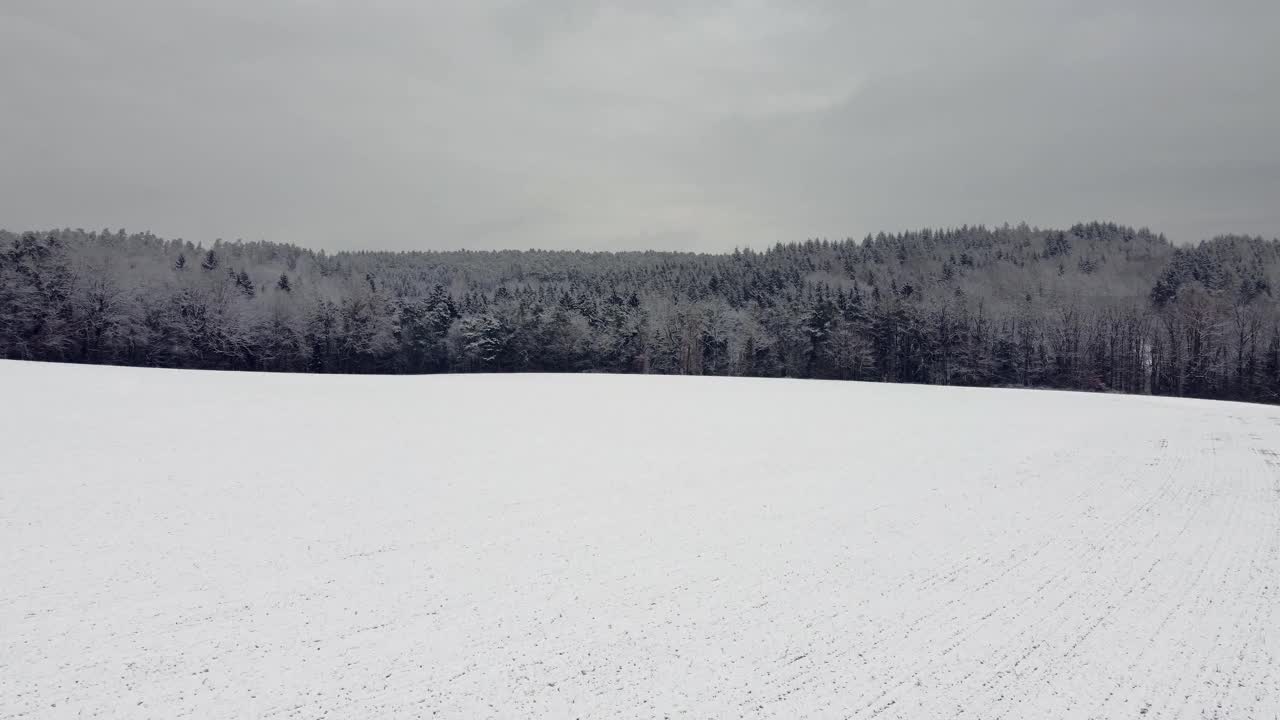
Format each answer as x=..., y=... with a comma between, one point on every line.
x=244, y=283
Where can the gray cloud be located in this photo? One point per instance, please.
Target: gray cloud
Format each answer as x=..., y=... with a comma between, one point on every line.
x=577, y=123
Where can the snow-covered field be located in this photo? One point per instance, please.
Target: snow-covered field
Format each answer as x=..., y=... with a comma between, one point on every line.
x=193, y=544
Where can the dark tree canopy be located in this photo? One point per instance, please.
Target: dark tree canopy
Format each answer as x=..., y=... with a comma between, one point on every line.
x=1095, y=307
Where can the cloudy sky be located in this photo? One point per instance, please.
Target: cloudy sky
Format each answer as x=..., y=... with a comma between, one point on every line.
x=661, y=124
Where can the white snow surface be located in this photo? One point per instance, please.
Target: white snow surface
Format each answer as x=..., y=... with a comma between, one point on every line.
x=216, y=545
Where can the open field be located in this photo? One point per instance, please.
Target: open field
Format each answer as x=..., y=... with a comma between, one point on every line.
x=197, y=544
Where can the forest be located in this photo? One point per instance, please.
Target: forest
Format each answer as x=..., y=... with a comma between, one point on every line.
x=1097, y=307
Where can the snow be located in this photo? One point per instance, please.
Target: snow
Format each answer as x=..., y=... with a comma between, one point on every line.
x=195, y=544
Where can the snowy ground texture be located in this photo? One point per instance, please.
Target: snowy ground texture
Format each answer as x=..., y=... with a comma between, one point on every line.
x=193, y=544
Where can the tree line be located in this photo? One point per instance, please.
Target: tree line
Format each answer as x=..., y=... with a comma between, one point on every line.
x=1098, y=307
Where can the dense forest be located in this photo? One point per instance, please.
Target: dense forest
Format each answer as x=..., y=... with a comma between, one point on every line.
x=1097, y=307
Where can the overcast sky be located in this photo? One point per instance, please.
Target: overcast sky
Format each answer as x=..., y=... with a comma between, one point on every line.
x=666, y=124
